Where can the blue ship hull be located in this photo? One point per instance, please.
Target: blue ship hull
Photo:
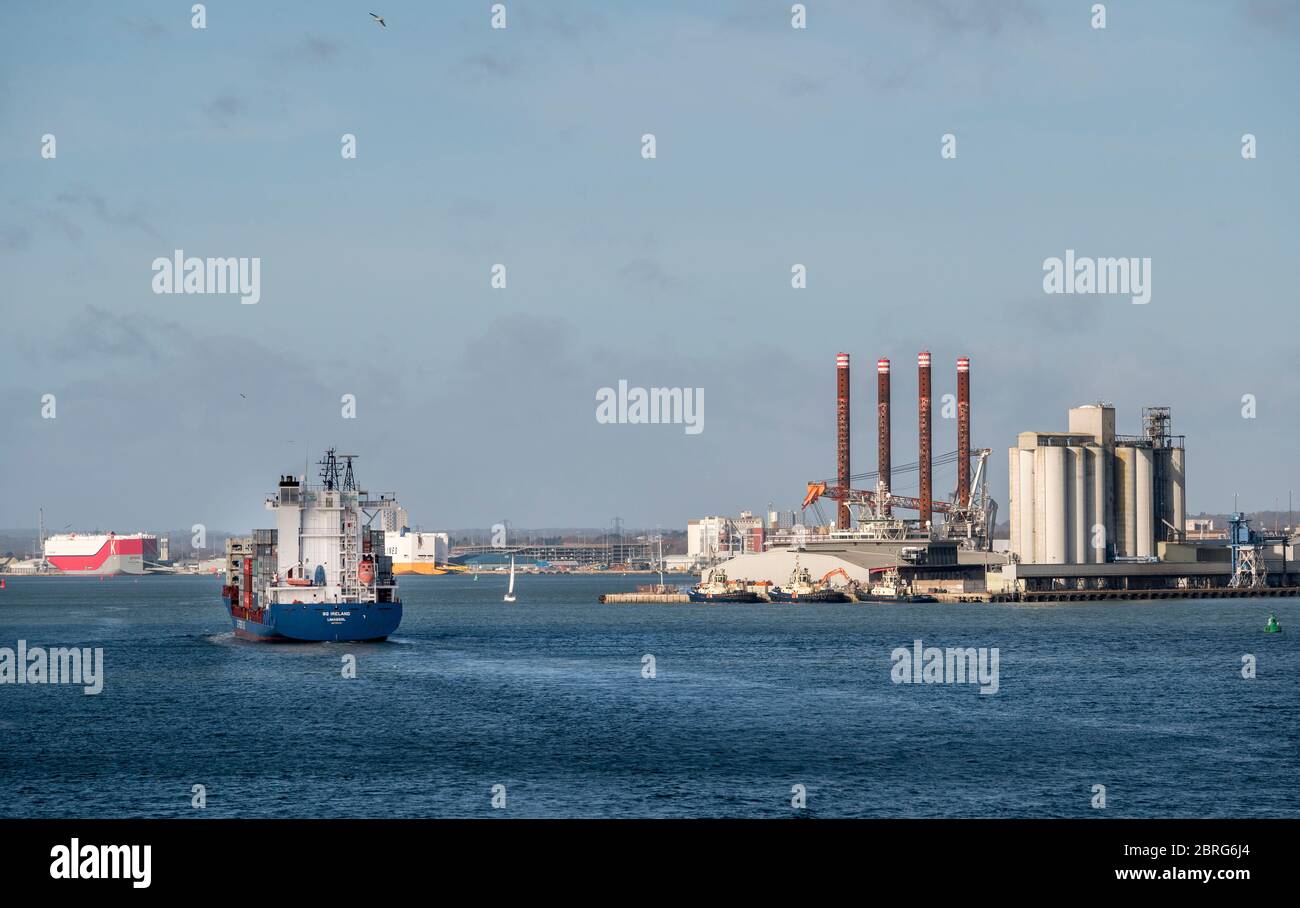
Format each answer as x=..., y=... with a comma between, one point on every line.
x=348, y=622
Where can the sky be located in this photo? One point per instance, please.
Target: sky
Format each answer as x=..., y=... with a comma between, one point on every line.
x=523, y=146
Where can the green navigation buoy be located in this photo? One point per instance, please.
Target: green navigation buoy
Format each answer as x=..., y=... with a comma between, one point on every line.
x=1272, y=626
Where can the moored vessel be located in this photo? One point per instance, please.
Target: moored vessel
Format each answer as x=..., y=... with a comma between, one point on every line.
x=100, y=553
x=417, y=552
x=719, y=589
x=888, y=586
x=321, y=574
x=802, y=588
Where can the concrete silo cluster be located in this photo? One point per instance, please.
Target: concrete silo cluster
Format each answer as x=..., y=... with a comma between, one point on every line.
x=1089, y=496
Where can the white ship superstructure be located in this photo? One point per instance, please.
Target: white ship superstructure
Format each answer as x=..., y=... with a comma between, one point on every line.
x=326, y=549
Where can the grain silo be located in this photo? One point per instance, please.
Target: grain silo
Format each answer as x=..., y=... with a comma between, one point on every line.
x=1125, y=501
x=1078, y=502
x=1091, y=496
x=1101, y=514
x=1168, y=474
x=1055, y=513
x=1144, y=513
x=1024, y=506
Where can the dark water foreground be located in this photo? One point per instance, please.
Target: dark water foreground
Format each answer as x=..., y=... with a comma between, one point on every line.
x=547, y=698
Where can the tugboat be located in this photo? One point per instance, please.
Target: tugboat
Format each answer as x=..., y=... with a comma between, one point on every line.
x=1272, y=627
x=321, y=574
x=719, y=589
x=801, y=588
x=892, y=588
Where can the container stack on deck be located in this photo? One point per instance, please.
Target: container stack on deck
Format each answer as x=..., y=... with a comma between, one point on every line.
x=265, y=560
x=251, y=564
x=372, y=544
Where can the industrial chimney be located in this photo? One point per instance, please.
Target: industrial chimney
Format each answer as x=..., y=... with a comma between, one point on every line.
x=842, y=439
x=923, y=382
x=963, y=432
x=882, y=429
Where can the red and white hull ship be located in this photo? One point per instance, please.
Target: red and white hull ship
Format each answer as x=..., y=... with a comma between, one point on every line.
x=100, y=553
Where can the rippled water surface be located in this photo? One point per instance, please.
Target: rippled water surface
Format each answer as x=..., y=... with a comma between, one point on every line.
x=547, y=697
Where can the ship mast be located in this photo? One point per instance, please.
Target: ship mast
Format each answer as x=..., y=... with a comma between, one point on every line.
x=329, y=472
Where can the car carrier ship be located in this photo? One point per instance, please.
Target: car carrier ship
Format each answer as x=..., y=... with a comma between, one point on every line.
x=321, y=574
x=100, y=554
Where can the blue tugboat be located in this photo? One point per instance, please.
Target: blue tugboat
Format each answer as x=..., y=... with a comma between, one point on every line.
x=321, y=574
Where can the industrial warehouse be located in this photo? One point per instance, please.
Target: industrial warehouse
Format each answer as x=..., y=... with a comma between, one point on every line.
x=1093, y=515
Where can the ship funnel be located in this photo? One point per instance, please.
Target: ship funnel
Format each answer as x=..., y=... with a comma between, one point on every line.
x=923, y=401
x=883, y=432
x=963, y=432
x=842, y=435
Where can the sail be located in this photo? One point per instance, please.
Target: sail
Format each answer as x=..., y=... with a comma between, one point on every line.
x=512, y=575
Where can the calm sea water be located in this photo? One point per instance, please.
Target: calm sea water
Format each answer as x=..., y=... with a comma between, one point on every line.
x=547, y=697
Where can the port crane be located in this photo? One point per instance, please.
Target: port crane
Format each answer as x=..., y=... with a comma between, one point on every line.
x=974, y=520
x=1248, y=547
x=971, y=520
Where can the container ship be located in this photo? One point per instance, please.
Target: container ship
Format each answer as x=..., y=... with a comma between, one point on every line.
x=101, y=553
x=321, y=574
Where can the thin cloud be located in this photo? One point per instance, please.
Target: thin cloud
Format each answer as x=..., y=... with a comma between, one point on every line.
x=313, y=49
x=225, y=107
x=13, y=239
x=86, y=199
x=960, y=17
x=1273, y=15
x=648, y=274
x=491, y=64
x=149, y=29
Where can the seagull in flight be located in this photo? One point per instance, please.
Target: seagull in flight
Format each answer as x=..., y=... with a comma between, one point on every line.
x=379, y=19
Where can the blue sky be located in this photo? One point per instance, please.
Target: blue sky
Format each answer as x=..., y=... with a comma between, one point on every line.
x=522, y=146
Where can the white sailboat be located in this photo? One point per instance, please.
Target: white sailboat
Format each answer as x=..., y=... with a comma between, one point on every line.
x=510, y=593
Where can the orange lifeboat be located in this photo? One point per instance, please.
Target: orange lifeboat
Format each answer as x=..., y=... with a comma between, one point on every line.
x=298, y=581
x=366, y=572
